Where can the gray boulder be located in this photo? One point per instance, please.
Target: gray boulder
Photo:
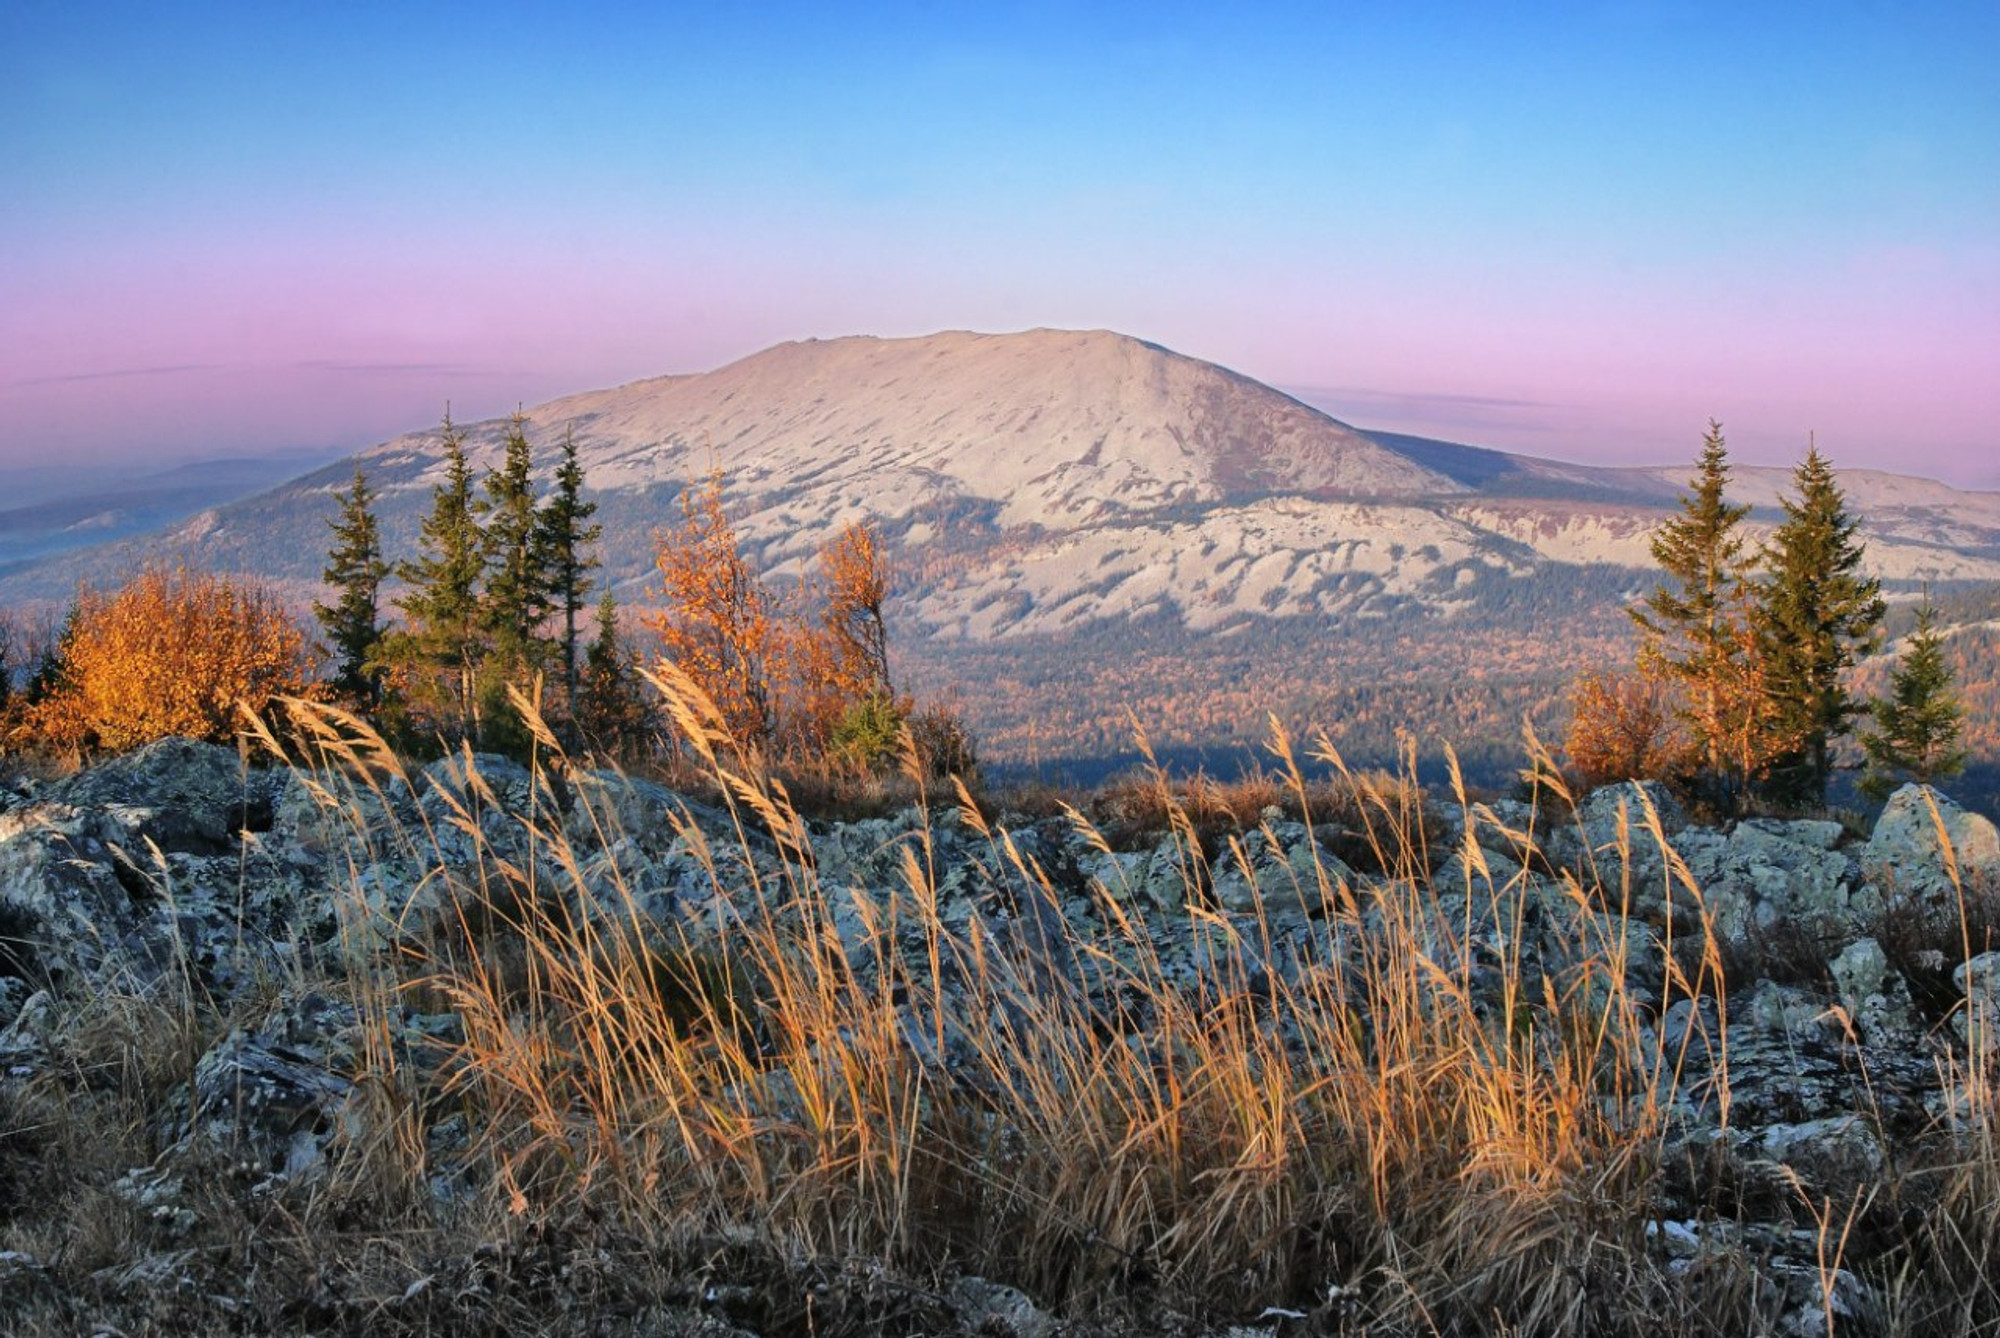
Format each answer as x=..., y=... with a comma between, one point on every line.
x=68, y=911
x=1874, y=995
x=179, y=794
x=1278, y=868
x=1904, y=853
x=1978, y=1022
x=1767, y=874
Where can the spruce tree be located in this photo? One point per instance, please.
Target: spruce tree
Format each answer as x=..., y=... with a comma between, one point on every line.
x=610, y=707
x=563, y=546
x=1818, y=614
x=1691, y=623
x=1916, y=729
x=444, y=640
x=354, y=573
x=517, y=589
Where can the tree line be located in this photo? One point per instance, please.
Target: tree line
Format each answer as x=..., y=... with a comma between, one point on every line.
x=796, y=675
x=1741, y=687
x=491, y=600
x=492, y=604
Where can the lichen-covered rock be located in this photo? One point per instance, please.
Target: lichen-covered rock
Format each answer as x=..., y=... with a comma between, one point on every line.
x=1278, y=868
x=72, y=915
x=1766, y=874
x=1159, y=878
x=276, y=1099
x=178, y=794
x=1978, y=1021
x=1611, y=845
x=1905, y=854
x=1598, y=815
x=316, y=819
x=999, y=1310
x=1837, y=1151
x=1874, y=995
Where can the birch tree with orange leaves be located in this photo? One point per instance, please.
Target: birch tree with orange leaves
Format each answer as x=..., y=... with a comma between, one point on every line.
x=856, y=580
x=170, y=653
x=840, y=659
x=718, y=623
x=1623, y=727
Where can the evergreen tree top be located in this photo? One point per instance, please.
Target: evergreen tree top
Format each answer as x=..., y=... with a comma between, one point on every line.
x=1699, y=549
x=444, y=577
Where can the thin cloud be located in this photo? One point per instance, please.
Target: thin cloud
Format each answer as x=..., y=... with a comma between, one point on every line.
x=308, y=365
x=120, y=374
x=1433, y=408
x=391, y=368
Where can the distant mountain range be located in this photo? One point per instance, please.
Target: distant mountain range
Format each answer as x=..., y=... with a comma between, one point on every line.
x=1045, y=490
x=57, y=509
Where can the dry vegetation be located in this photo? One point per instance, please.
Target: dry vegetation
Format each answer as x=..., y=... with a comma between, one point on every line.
x=780, y=1134
x=170, y=652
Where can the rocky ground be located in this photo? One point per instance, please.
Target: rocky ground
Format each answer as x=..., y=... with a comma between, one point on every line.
x=196, y=1133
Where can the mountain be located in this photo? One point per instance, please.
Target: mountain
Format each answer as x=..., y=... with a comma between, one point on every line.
x=1069, y=510
x=54, y=510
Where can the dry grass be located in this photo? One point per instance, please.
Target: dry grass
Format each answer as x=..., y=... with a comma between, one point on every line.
x=1370, y=1130
x=1420, y=1131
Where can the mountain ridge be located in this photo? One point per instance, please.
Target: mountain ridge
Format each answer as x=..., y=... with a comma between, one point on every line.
x=960, y=443
x=1082, y=522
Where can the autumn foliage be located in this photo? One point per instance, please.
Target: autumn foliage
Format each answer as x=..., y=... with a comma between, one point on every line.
x=800, y=674
x=719, y=624
x=169, y=653
x=1623, y=727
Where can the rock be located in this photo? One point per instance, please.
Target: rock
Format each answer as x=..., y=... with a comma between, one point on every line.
x=1834, y=1301
x=277, y=1097
x=1485, y=872
x=999, y=1310
x=1838, y=1152
x=179, y=794
x=1598, y=814
x=318, y=818
x=1904, y=853
x=71, y=906
x=1593, y=847
x=1278, y=868
x=1979, y=981
x=611, y=806
x=1769, y=876
x=24, y=1041
x=1158, y=878
x=1875, y=997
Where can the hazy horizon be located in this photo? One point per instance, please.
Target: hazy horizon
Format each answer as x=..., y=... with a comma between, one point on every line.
x=1577, y=236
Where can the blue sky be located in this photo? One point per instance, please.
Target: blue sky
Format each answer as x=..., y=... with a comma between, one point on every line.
x=1569, y=230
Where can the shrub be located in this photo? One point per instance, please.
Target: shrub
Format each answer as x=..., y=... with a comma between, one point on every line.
x=169, y=653
x=944, y=742
x=867, y=735
x=1622, y=727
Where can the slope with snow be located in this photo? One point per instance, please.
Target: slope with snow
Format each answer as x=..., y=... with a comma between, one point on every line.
x=1063, y=429
x=1054, y=480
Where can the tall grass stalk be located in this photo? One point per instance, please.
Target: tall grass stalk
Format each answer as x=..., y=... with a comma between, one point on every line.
x=1431, y=1113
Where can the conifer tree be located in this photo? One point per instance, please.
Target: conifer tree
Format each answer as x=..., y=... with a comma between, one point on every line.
x=563, y=544
x=610, y=707
x=517, y=597
x=1692, y=624
x=1818, y=613
x=354, y=573
x=441, y=648
x=1916, y=729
